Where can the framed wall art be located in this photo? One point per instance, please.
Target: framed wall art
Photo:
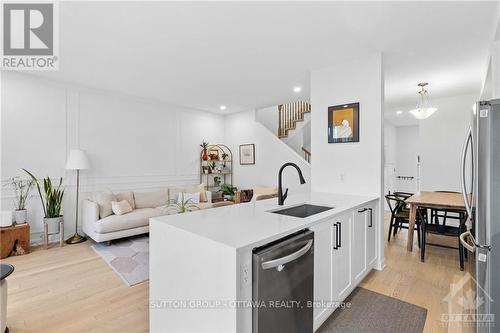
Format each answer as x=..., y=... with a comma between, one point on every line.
x=247, y=154
x=343, y=123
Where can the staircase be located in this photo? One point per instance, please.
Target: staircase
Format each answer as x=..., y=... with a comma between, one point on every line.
x=288, y=116
x=293, y=124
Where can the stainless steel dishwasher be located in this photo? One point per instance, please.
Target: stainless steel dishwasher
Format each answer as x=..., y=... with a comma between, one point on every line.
x=283, y=277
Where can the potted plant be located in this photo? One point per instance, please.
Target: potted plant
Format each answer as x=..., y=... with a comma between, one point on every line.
x=204, y=146
x=224, y=156
x=227, y=191
x=217, y=180
x=183, y=206
x=52, y=203
x=212, y=167
x=22, y=190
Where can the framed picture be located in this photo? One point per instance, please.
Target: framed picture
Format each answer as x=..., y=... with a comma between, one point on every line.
x=213, y=154
x=247, y=154
x=343, y=123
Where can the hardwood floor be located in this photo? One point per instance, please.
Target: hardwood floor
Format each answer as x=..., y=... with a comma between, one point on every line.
x=71, y=289
x=425, y=284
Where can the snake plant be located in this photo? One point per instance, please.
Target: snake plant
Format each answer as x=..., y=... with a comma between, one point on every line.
x=183, y=206
x=53, y=196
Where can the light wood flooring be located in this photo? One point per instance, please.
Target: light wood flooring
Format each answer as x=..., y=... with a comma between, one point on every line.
x=71, y=289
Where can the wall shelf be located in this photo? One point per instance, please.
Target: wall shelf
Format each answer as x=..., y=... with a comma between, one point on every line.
x=223, y=167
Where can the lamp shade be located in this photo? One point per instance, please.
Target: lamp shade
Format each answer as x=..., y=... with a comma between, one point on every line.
x=77, y=160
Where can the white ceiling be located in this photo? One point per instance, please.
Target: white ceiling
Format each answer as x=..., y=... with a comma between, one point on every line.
x=251, y=54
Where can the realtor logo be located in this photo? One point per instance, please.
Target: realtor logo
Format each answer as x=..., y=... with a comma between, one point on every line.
x=29, y=36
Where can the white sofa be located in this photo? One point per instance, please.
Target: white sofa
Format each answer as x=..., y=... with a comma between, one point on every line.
x=102, y=227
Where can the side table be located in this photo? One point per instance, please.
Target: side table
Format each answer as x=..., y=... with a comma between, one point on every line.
x=15, y=240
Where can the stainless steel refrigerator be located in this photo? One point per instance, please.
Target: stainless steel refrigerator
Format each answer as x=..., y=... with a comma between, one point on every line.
x=481, y=159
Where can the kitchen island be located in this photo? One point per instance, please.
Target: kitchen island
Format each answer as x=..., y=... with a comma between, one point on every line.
x=201, y=262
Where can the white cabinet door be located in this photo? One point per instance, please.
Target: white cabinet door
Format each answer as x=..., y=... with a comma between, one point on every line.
x=371, y=235
x=322, y=269
x=358, y=244
x=341, y=258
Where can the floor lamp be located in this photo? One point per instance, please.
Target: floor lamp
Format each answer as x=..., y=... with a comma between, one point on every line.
x=77, y=161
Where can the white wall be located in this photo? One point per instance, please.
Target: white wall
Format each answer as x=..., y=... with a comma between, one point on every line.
x=270, y=154
x=438, y=140
x=389, y=157
x=441, y=140
x=348, y=167
x=407, y=149
x=132, y=144
x=269, y=118
x=352, y=168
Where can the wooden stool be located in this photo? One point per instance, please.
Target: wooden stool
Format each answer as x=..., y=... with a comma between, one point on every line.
x=15, y=240
x=46, y=232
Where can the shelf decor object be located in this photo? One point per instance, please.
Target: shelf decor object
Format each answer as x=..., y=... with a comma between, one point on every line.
x=343, y=123
x=423, y=110
x=247, y=154
x=77, y=161
x=217, y=169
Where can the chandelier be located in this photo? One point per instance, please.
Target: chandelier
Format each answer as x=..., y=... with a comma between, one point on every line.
x=424, y=109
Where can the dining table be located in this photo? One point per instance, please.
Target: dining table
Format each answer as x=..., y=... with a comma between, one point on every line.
x=431, y=200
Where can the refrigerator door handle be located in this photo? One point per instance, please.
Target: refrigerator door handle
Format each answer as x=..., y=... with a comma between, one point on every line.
x=472, y=248
x=463, y=240
x=468, y=140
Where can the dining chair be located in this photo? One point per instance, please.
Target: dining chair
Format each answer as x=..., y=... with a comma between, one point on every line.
x=400, y=216
x=445, y=230
x=444, y=214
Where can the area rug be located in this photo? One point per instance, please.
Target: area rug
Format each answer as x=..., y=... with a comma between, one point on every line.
x=374, y=312
x=128, y=257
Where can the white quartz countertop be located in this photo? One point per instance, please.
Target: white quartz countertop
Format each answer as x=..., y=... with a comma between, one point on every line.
x=251, y=224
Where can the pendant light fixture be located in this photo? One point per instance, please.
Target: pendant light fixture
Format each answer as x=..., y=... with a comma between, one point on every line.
x=424, y=109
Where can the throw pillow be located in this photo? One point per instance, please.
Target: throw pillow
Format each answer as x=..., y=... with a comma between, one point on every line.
x=194, y=198
x=103, y=200
x=174, y=191
x=121, y=207
x=129, y=196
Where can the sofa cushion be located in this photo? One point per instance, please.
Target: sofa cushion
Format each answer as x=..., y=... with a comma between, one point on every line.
x=192, y=198
x=103, y=199
x=129, y=196
x=174, y=191
x=137, y=218
x=121, y=207
x=151, y=199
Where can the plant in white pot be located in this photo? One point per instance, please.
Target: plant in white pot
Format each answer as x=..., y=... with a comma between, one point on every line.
x=22, y=190
x=52, y=203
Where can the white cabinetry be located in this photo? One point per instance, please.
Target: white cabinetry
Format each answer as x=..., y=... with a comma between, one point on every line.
x=344, y=252
x=341, y=258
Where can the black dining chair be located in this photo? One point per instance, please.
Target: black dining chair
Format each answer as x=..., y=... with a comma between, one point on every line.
x=400, y=216
x=446, y=230
x=446, y=214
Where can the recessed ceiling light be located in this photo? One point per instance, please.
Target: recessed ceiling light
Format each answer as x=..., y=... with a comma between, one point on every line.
x=346, y=106
x=297, y=89
x=399, y=112
x=222, y=107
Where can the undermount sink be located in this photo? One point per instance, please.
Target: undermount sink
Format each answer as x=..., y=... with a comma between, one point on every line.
x=302, y=211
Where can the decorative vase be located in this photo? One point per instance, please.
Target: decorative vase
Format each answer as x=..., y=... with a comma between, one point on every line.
x=205, y=155
x=21, y=216
x=53, y=224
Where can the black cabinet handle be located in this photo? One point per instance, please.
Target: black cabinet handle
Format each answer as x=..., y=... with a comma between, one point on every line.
x=336, y=246
x=371, y=215
x=340, y=234
x=371, y=218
